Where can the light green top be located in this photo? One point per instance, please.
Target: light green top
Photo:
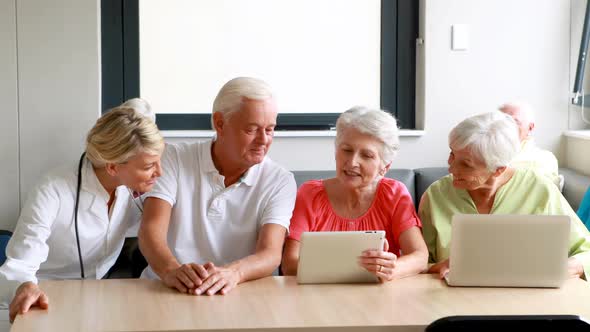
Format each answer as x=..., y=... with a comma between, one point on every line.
x=539, y=160
x=525, y=193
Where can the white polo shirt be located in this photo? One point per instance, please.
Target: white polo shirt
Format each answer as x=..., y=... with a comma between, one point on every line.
x=210, y=222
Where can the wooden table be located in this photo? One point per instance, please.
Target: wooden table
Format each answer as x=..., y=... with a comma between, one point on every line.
x=279, y=303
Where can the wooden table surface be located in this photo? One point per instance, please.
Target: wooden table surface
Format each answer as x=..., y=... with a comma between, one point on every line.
x=279, y=303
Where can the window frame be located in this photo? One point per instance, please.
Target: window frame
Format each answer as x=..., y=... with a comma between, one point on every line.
x=578, y=98
x=399, y=32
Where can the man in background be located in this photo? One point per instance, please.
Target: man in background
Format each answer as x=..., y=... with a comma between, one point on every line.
x=531, y=156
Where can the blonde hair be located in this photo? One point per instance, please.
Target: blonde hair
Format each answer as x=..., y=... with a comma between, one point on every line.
x=121, y=134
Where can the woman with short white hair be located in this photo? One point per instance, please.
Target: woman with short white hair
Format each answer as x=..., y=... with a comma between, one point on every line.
x=481, y=181
x=361, y=198
x=75, y=219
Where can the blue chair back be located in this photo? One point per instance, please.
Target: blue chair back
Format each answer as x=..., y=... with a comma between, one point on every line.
x=584, y=209
x=4, y=237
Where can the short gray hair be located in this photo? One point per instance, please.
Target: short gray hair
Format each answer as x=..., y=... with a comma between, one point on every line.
x=492, y=137
x=525, y=110
x=375, y=122
x=141, y=106
x=232, y=94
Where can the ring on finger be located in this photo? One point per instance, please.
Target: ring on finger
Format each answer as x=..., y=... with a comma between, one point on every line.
x=380, y=268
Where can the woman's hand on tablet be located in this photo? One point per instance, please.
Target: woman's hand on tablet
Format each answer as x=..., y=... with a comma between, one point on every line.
x=381, y=263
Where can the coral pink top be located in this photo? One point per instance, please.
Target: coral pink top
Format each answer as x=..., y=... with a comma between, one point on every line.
x=392, y=210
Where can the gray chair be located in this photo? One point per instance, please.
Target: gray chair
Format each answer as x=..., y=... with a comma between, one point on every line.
x=427, y=176
x=574, y=186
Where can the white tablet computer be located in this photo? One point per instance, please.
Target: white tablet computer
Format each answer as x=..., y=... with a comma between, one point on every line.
x=508, y=250
x=332, y=257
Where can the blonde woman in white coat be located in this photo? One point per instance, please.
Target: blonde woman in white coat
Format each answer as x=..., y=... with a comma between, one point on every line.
x=122, y=156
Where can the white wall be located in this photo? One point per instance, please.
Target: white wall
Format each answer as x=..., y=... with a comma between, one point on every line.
x=58, y=98
x=59, y=81
x=514, y=52
x=9, y=170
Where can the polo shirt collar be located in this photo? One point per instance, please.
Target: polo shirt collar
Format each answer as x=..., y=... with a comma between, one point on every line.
x=249, y=178
x=206, y=156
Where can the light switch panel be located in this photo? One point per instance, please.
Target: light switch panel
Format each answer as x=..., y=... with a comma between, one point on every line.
x=459, y=37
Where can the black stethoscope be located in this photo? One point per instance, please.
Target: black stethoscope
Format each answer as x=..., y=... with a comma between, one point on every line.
x=76, y=213
x=80, y=164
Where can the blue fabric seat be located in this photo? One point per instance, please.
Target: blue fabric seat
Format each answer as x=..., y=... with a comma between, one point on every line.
x=584, y=209
x=4, y=237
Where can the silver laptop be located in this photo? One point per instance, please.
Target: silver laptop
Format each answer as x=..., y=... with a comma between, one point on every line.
x=508, y=250
x=332, y=257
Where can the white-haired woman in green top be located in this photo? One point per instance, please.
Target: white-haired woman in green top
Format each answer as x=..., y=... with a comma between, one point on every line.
x=481, y=181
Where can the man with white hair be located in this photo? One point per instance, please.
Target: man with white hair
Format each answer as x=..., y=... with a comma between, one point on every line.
x=530, y=156
x=221, y=211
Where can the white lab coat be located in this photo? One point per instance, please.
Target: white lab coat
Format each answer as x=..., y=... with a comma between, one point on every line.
x=43, y=245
